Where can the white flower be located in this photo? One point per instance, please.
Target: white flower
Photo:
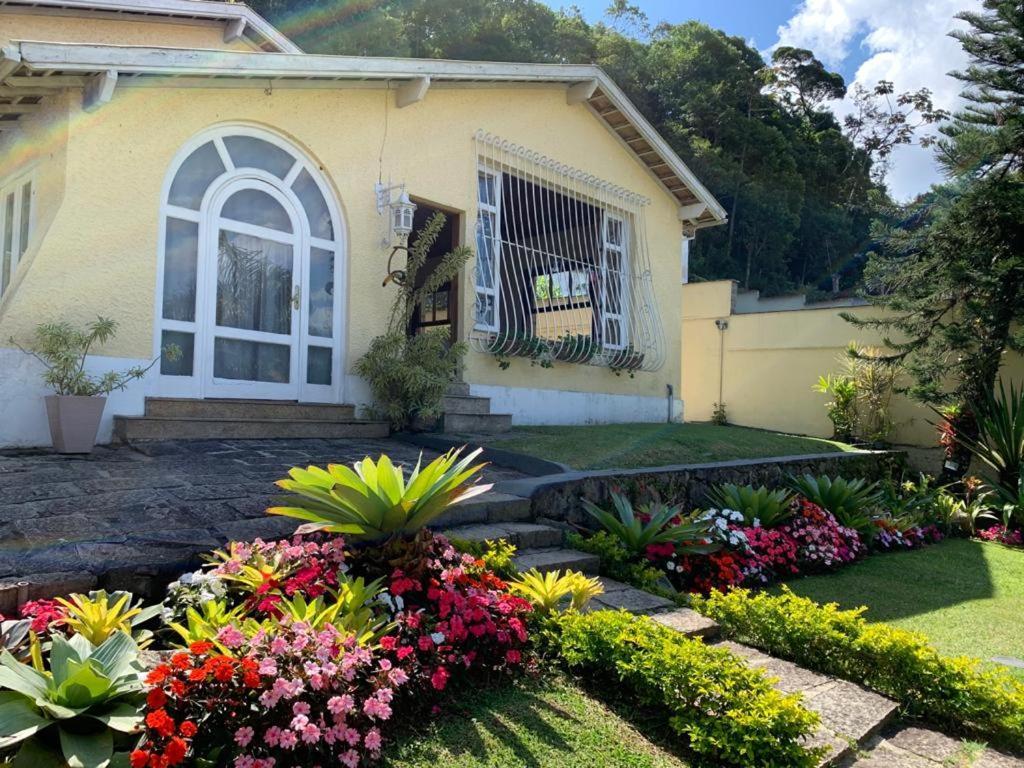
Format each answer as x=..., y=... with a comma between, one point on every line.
x=437, y=637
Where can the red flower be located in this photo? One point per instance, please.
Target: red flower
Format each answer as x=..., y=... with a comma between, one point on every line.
x=187, y=729
x=158, y=674
x=161, y=722
x=156, y=699
x=175, y=750
x=439, y=679
x=200, y=648
x=138, y=758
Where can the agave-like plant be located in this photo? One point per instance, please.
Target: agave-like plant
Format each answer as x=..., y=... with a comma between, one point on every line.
x=849, y=501
x=376, y=501
x=662, y=526
x=1000, y=443
x=88, y=695
x=769, y=508
x=348, y=609
x=204, y=624
x=548, y=591
x=16, y=637
x=98, y=615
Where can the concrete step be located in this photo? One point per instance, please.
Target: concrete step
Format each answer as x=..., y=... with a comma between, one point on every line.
x=851, y=716
x=521, y=535
x=129, y=428
x=618, y=596
x=466, y=405
x=916, y=747
x=487, y=508
x=176, y=407
x=476, y=424
x=458, y=389
x=556, y=559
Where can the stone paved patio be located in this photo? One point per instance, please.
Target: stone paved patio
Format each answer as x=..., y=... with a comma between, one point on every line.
x=146, y=512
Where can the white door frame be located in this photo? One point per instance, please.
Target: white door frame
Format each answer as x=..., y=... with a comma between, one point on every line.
x=209, y=251
x=194, y=386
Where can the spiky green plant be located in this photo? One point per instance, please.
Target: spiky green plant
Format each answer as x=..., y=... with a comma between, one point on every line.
x=1000, y=443
x=70, y=715
x=850, y=501
x=769, y=508
x=548, y=591
x=663, y=524
x=376, y=501
x=99, y=614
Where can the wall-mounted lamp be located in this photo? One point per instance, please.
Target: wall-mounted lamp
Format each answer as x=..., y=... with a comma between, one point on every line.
x=399, y=211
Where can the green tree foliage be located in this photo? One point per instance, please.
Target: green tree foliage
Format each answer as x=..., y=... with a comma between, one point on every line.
x=758, y=134
x=950, y=269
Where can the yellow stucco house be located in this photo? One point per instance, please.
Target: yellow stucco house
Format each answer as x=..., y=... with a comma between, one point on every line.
x=182, y=167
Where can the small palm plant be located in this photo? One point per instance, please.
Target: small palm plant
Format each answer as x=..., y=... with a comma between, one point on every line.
x=656, y=523
x=374, y=500
x=769, y=508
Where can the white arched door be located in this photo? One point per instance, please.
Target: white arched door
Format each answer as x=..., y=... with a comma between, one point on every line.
x=251, y=285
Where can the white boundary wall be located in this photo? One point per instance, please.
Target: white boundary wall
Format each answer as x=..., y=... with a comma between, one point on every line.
x=555, y=406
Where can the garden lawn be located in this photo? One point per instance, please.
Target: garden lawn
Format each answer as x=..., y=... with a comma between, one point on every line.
x=966, y=596
x=624, y=446
x=546, y=723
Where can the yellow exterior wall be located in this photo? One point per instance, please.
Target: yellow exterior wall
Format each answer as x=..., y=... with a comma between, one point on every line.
x=100, y=252
x=68, y=28
x=771, y=361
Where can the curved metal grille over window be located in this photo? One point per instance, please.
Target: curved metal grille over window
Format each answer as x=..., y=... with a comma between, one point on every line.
x=562, y=270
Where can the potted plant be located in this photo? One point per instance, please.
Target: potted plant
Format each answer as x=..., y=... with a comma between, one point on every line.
x=75, y=408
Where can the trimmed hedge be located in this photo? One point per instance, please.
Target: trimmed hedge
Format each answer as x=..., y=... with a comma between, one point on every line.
x=725, y=710
x=954, y=693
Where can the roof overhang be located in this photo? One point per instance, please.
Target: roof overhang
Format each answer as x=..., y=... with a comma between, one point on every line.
x=239, y=20
x=31, y=68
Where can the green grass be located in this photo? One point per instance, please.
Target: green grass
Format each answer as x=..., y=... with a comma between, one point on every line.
x=624, y=446
x=546, y=723
x=966, y=596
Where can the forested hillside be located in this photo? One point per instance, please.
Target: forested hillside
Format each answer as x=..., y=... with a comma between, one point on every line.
x=800, y=187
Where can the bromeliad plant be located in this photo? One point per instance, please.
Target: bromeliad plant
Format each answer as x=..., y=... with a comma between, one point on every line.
x=98, y=615
x=651, y=524
x=758, y=506
x=547, y=592
x=376, y=501
x=75, y=713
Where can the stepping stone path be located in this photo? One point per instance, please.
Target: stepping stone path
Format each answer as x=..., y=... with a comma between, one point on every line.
x=923, y=748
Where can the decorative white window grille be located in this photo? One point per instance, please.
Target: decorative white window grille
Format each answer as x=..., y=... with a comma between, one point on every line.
x=562, y=270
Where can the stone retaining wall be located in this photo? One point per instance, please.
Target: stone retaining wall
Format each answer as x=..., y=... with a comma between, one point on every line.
x=557, y=496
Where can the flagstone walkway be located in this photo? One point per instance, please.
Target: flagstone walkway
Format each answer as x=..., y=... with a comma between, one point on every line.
x=147, y=512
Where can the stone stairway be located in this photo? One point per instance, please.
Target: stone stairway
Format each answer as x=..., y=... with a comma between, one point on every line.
x=169, y=418
x=466, y=414
x=851, y=716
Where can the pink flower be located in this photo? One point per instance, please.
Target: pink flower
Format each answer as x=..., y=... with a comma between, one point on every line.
x=350, y=759
x=339, y=705
x=243, y=736
x=231, y=636
x=272, y=737
x=372, y=740
x=311, y=734
x=439, y=679
x=288, y=739
x=300, y=708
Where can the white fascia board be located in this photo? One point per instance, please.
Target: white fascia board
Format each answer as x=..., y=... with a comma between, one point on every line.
x=195, y=9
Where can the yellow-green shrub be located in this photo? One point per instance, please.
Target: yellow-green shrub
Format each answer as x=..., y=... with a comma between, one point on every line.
x=956, y=693
x=726, y=711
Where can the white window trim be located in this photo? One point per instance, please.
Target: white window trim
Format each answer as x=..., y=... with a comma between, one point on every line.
x=16, y=185
x=622, y=249
x=494, y=210
x=193, y=386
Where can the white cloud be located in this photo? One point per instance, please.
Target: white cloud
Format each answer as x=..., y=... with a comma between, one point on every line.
x=906, y=41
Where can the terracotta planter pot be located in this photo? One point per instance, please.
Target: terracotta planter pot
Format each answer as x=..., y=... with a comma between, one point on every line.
x=74, y=421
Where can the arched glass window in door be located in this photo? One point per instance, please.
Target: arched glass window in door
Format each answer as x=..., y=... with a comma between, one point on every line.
x=249, y=272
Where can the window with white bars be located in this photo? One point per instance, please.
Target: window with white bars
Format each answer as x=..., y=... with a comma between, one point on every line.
x=17, y=209
x=562, y=270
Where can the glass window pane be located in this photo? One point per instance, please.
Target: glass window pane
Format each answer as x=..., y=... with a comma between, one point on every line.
x=485, y=251
x=441, y=306
x=318, y=365
x=615, y=231
x=26, y=209
x=485, y=188
x=8, y=243
x=321, y=293
x=254, y=283
x=185, y=342
x=181, y=249
x=250, y=152
x=194, y=177
x=427, y=309
x=316, y=207
x=253, y=206
x=251, y=360
x=485, y=310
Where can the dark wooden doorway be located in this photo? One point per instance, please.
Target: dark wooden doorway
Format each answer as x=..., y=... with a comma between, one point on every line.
x=440, y=309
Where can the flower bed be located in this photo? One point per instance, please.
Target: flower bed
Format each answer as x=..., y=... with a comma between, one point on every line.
x=777, y=535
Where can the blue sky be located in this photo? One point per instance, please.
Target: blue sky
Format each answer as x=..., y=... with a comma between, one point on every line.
x=864, y=40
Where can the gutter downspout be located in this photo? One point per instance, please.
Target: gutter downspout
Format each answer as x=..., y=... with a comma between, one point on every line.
x=723, y=326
